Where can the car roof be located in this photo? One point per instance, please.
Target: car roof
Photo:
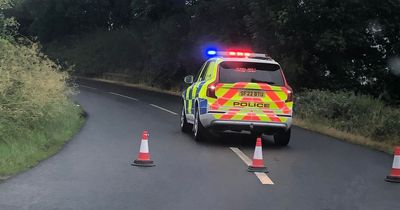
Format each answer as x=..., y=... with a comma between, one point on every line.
x=253, y=60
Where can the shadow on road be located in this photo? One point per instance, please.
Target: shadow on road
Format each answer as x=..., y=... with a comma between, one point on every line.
x=241, y=140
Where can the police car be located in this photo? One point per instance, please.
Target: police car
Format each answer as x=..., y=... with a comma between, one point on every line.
x=238, y=91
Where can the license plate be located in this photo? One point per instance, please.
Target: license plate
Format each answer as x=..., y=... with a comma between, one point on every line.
x=251, y=93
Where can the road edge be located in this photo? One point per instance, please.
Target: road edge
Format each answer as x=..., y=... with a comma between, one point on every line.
x=127, y=84
x=304, y=124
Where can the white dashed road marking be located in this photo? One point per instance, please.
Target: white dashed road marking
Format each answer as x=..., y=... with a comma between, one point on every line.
x=135, y=99
x=164, y=109
x=88, y=87
x=263, y=177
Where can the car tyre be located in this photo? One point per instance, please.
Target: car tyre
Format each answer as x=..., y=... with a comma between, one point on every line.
x=198, y=129
x=185, y=126
x=282, y=138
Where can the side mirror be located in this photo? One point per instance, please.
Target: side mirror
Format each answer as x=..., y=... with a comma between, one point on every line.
x=188, y=79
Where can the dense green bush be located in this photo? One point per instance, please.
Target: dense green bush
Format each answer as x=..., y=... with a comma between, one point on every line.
x=119, y=51
x=100, y=51
x=36, y=113
x=349, y=112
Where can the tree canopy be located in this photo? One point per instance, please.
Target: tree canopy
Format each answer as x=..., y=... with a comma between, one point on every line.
x=325, y=44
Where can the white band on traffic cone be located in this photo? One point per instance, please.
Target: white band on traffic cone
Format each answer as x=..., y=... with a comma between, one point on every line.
x=144, y=146
x=396, y=162
x=258, y=153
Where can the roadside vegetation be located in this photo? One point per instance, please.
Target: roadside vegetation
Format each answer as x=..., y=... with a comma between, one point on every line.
x=37, y=115
x=360, y=119
x=342, y=58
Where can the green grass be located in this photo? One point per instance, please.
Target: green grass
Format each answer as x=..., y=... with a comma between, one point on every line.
x=359, y=119
x=37, y=115
x=26, y=146
x=384, y=146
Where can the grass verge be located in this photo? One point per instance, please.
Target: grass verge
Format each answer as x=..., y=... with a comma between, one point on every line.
x=386, y=147
x=33, y=144
x=37, y=115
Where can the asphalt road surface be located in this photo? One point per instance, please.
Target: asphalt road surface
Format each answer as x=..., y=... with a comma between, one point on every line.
x=93, y=171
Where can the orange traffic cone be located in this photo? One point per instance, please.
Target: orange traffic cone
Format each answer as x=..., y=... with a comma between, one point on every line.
x=258, y=162
x=143, y=158
x=395, y=172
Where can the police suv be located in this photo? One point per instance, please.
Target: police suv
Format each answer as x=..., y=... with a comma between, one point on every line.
x=238, y=91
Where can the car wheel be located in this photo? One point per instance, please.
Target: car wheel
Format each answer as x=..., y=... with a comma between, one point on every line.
x=282, y=138
x=198, y=129
x=185, y=126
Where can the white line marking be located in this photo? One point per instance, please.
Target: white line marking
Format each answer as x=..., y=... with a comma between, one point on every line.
x=135, y=99
x=87, y=87
x=263, y=177
x=242, y=156
x=164, y=109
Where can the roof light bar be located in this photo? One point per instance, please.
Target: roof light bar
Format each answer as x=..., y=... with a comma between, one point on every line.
x=238, y=54
x=212, y=52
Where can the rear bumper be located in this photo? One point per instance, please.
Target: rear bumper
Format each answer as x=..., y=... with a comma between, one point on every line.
x=209, y=121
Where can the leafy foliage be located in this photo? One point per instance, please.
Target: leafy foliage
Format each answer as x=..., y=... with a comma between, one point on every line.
x=351, y=113
x=327, y=44
x=36, y=115
x=8, y=26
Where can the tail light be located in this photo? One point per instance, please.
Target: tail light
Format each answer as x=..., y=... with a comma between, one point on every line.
x=211, y=90
x=289, y=96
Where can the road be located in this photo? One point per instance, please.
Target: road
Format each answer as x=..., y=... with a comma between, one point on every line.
x=93, y=170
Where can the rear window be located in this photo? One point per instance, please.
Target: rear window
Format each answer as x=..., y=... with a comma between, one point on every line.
x=233, y=71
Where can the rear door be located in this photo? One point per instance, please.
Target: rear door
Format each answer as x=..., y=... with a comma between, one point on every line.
x=192, y=91
x=251, y=91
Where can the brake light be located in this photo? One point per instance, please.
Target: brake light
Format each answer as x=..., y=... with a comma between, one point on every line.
x=211, y=90
x=239, y=54
x=289, y=96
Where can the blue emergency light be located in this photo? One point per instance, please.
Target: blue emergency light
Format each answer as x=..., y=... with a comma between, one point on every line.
x=211, y=52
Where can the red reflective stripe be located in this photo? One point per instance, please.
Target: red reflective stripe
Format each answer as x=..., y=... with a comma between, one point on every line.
x=281, y=105
x=143, y=156
x=232, y=112
x=228, y=115
x=395, y=172
x=397, y=151
x=273, y=117
x=228, y=95
x=284, y=89
x=269, y=114
x=264, y=86
x=258, y=142
x=248, y=117
x=214, y=107
x=145, y=135
x=256, y=118
x=247, y=99
x=258, y=163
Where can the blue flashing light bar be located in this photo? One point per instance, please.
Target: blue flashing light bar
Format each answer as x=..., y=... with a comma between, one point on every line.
x=211, y=52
